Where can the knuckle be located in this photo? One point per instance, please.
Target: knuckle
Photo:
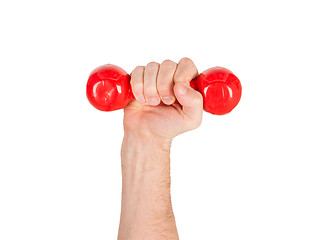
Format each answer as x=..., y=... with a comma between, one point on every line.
x=137, y=69
x=189, y=66
x=181, y=78
x=134, y=80
x=186, y=60
x=152, y=65
x=136, y=74
x=178, y=78
x=168, y=64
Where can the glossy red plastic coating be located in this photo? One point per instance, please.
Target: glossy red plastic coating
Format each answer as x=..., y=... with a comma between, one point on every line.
x=109, y=89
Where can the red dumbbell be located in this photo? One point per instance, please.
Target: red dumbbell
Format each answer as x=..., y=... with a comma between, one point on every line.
x=109, y=89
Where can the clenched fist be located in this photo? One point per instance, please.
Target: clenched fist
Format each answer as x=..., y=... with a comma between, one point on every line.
x=155, y=114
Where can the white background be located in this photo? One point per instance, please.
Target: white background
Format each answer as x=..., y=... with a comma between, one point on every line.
x=251, y=174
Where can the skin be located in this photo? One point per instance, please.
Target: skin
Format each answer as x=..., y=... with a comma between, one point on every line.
x=149, y=127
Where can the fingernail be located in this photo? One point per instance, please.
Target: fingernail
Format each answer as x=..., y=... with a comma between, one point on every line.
x=168, y=100
x=141, y=99
x=182, y=89
x=153, y=101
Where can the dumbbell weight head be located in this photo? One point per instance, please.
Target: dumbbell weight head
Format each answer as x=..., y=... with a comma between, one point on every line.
x=108, y=88
x=220, y=88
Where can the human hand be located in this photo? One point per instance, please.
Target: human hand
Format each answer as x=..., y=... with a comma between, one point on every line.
x=147, y=116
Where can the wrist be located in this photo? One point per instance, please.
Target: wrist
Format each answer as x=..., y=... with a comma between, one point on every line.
x=143, y=154
x=146, y=139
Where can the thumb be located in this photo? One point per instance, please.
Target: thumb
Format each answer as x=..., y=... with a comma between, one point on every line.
x=190, y=99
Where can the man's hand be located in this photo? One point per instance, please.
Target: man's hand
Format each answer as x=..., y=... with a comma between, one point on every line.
x=166, y=81
x=149, y=127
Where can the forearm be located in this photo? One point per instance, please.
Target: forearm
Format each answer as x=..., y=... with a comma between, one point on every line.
x=146, y=210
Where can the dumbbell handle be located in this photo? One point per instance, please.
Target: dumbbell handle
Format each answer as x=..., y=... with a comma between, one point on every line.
x=109, y=89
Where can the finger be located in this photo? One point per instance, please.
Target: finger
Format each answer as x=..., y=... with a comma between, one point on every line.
x=191, y=101
x=137, y=83
x=186, y=71
x=165, y=81
x=150, y=83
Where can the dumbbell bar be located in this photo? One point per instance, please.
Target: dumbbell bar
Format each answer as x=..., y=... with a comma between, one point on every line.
x=109, y=89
